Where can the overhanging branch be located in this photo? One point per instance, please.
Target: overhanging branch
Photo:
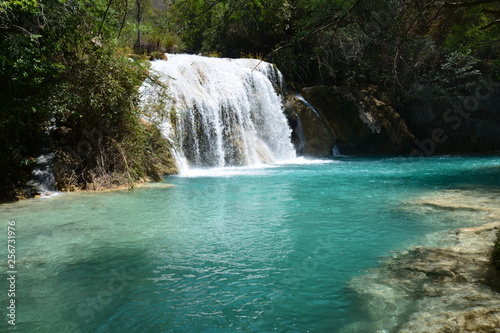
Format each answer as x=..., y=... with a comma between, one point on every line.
x=497, y=21
x=467, y=4
x=326, y=26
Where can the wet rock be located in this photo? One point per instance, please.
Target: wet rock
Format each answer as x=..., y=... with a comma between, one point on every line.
x=474, y=320
x=311, y=135
x=362, y=123
x=435, y=289
x=463, y=130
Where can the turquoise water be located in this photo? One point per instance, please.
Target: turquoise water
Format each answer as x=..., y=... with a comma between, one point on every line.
x=238, y=249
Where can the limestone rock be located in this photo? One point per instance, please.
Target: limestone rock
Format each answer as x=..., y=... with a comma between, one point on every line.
x=361, y=122
x=435, y=289
x=311, y=136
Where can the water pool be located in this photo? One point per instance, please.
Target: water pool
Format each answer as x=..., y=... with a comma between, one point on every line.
x=260, y=249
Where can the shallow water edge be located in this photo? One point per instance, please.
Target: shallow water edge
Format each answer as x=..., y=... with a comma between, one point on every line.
x=450, y=288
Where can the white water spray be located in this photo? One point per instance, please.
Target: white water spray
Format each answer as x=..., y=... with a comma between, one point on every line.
x=43, y=175
x=223, y=112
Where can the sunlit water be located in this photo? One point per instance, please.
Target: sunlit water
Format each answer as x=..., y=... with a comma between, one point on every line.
x=239, y=249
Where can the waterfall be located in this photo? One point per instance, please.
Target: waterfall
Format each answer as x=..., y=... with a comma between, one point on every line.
x=336, y=151
x=309, y=105
x=221, y=112
x=299, y=132
x=43, y=175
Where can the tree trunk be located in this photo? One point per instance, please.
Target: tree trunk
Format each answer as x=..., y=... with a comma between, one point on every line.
x=139, y=19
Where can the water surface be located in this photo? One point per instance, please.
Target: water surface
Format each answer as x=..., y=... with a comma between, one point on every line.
x=261, y=249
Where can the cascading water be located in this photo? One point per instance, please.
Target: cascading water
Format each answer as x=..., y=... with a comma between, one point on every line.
x=336, y=151
x=309, y=105
x=222, y=112
x=43, y=175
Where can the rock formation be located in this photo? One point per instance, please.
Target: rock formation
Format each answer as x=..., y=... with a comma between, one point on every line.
x=438, y=289
x=468, y=126
x=312, y=135
x=358, y=121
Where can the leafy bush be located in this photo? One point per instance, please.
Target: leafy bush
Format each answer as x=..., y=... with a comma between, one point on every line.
x=102, y=88
x=68, y=86
x=455, y=78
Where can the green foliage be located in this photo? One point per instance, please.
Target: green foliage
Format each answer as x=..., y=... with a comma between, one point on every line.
x=101, y=88
x=455, y=78
x=24, y=73
x=63, y=76
x=466, y=30
x=8, y=7
x=100, y=85
x=232, y=26
x=66, y=65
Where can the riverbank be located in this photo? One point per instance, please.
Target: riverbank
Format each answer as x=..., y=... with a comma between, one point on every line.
x=451, y=288
x=142, y=184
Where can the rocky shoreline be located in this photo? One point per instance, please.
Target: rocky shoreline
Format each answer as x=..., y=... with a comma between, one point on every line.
x=143, y=184
x=437, y=289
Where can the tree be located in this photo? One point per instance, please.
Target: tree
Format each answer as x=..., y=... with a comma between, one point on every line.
x=62, y=75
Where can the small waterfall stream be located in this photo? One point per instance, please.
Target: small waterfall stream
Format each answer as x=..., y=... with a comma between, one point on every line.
x=43, y=175
x=222, y=112
x=309, y=105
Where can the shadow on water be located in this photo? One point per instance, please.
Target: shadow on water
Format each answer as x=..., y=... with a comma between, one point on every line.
x=455, y=171
x=87, y=294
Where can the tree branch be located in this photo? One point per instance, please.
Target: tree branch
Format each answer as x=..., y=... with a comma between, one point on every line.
x=125, y=11
x=104, y=17
x=337, y=20
x=497, y=21
x=467, y=4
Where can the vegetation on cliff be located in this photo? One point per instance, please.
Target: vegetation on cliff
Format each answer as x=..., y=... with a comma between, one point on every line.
x=390, y=43
x=69, y=86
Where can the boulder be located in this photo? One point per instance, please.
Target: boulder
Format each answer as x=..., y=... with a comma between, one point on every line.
x=312, y=135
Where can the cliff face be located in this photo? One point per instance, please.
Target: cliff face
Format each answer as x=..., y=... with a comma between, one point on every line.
x=354, y=120
x=312, y=135
x=468, y=126
x=360, y=121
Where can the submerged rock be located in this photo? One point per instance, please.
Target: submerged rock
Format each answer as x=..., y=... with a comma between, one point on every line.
x=437, y=289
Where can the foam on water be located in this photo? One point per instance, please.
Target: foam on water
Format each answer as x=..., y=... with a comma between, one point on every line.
x=250, y=170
